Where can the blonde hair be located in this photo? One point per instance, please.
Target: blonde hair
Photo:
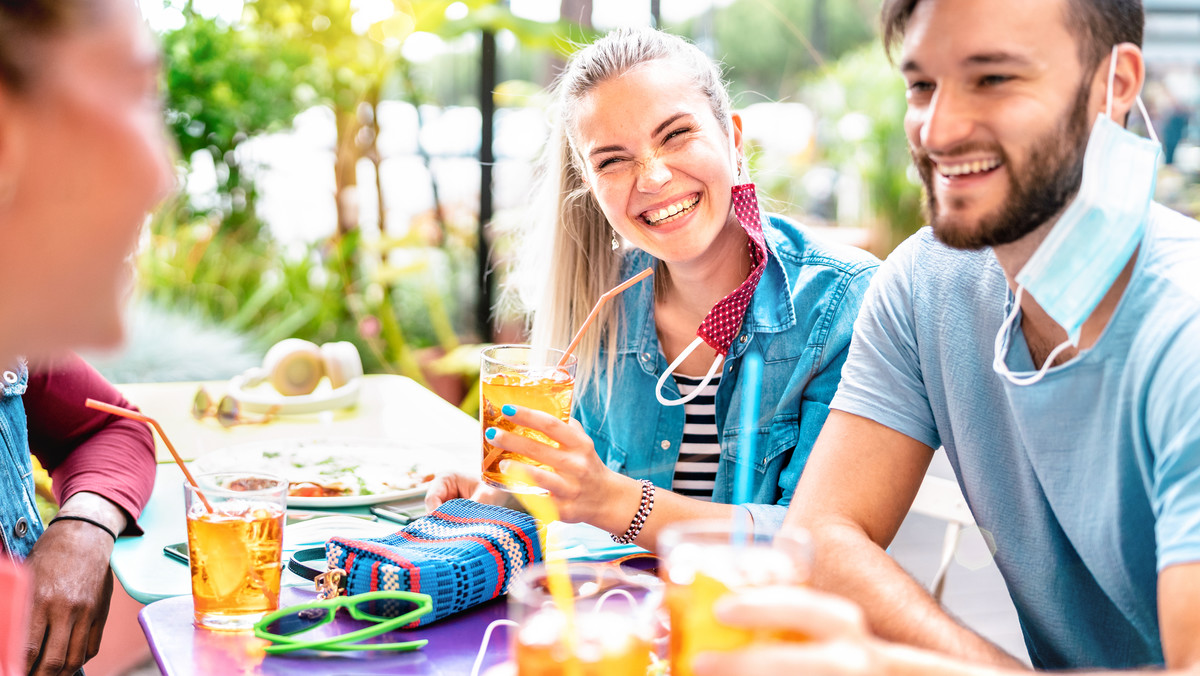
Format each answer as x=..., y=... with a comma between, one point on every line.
x=567, y=258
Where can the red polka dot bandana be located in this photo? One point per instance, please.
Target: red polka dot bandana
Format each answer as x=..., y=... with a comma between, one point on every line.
x=725, y=319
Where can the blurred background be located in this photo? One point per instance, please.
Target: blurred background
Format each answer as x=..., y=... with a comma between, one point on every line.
x=351, y=169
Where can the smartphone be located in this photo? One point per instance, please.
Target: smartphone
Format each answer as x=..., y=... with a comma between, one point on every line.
x=177, y=551
x=401, y=511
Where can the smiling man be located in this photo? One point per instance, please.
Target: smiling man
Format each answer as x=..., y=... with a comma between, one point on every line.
x=1045, y=330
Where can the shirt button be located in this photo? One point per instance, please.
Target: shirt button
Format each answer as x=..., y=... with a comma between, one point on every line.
x=21, y=527
x=744, y=338
x=665, y=444
x=645, y=356
x=11, y=378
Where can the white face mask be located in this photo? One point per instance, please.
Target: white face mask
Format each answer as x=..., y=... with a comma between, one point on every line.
x=1094, y=237
x=724, y=320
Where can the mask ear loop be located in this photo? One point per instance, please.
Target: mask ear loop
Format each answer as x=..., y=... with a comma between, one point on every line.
x=1002, y=344
x=1112, y=74
x=487, y=637
x=674, y=365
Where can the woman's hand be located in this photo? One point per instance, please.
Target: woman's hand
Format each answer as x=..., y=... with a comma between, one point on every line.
x=583, y=487
x=451, y=485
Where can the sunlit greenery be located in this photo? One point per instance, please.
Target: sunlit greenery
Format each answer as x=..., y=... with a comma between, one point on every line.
x=860, y=103
x=398, y=288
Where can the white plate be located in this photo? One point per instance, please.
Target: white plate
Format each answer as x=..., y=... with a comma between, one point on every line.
x=363, y=461
x=262, y=398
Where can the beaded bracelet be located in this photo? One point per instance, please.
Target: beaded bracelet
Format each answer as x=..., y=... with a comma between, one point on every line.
x=72, y=517
x=639, y=519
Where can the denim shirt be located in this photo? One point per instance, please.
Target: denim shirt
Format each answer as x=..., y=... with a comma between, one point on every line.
x=799, y=320
x=20, y=524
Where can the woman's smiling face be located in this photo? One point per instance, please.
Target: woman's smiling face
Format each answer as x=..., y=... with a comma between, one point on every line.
x=657, y=160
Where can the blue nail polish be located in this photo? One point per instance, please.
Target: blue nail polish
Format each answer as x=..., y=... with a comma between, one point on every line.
x=490, y=433
x=509, y=409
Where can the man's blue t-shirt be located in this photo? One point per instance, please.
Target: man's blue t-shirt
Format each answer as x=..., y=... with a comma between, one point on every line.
x=1089, y=481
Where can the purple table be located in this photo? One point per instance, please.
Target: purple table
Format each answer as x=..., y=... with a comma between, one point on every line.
x=183, y=650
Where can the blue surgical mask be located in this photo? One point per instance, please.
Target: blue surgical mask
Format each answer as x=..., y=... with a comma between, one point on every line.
x=1094, y=237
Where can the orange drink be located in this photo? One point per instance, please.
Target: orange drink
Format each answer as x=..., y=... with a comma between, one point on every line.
x=235, y=550
x=706, y=560
x=608, y=631
x=605, y=645
x=521, y=376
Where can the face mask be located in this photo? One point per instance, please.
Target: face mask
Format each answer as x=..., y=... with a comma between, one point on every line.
x=1094, y=237
x=724, y=320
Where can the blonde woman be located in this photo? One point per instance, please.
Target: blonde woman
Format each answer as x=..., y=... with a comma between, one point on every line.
x=644, y=168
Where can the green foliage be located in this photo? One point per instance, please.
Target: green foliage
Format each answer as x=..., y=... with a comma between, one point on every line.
x=320, y=292
x=222, y=86
x=228, y=82
x=225, y=84
x=769, y=45
x=860, y=102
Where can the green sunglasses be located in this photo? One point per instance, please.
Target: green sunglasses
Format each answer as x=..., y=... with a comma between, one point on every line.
x=388, y=610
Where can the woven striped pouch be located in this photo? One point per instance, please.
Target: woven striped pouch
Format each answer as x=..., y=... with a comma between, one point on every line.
x=462, y=554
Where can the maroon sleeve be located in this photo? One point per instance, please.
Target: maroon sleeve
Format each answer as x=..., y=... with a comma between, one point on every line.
x=84, y=449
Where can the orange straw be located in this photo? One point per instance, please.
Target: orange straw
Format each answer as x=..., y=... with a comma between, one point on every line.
x=607, y=296
x=134, y=415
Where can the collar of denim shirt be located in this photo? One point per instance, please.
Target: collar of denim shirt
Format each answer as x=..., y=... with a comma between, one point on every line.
x=770, y=309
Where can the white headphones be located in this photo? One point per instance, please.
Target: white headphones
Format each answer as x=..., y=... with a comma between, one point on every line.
x=294, y=368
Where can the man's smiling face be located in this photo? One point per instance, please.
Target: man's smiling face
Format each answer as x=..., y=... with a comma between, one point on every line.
x=998, y=115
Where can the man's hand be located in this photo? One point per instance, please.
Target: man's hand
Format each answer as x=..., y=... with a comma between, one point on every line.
x=841, y=644
x=72, y=586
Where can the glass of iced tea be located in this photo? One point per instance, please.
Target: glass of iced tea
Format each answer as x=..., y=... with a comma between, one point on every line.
x=521, y=375
x=235, y=550
x=609, y=630
x=705, y=560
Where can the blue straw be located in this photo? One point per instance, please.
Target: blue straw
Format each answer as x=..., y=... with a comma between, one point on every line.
x=751, y=398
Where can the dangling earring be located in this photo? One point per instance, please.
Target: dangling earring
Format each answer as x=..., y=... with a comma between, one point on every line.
x=615, y=243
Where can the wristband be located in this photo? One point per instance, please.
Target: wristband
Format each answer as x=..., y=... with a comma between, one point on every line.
x=72, y=517
x=639, y=518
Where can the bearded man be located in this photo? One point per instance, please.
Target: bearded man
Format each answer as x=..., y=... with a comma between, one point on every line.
x=1044, y=331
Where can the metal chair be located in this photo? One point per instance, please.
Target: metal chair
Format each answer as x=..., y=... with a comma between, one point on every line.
x=941, y=499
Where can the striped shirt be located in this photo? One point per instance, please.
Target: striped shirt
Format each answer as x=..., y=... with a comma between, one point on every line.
x=696, y=470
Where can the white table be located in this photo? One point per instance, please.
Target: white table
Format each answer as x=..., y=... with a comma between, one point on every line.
x=390, y=408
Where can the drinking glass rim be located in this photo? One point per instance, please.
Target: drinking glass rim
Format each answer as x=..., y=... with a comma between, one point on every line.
x=675, y=533
x=214, y=489
x=486, y=355
x=520, y=591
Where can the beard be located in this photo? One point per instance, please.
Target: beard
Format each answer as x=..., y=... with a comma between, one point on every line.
x=1051, y=178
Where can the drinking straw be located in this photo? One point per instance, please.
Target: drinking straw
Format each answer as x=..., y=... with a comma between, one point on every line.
x=751, y=398
x=134, y=415
x=541, y=506
x=604, y=298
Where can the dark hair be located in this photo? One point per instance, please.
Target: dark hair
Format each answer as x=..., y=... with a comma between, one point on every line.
x=25, y=23
x=1096, y=24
